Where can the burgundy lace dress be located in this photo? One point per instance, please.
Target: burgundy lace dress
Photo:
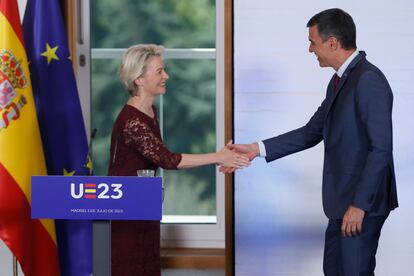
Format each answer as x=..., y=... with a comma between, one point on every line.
x=136, y=144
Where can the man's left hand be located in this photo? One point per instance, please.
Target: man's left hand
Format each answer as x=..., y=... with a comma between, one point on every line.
x=352, y=221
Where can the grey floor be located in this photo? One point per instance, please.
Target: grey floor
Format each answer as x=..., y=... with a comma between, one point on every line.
x=6, y=261
x=192, y=272
x=6, y=267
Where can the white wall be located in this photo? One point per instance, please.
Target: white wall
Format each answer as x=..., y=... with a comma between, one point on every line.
x=279, y=222
x=22, y=7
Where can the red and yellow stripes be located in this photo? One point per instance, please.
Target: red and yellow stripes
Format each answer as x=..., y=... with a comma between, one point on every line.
x=33, y=242
x=27, y=238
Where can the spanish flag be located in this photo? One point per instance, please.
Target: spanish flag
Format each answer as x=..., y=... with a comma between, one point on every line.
x=33, y=242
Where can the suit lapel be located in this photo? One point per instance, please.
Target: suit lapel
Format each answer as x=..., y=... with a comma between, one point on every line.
x=333, y=94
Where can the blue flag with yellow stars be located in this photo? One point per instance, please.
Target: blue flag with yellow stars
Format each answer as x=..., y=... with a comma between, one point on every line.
x=60, y=120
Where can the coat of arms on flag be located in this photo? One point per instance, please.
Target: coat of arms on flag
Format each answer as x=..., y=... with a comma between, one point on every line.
x=12, y=76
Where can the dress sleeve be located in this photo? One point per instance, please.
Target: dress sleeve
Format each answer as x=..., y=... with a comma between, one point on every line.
x=139, y=136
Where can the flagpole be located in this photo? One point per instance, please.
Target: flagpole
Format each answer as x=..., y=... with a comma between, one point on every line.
x=15, y=272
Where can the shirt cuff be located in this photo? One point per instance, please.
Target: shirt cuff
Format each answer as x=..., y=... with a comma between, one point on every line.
x=262, y=149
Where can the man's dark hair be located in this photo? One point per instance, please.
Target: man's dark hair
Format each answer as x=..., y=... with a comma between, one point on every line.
x=336, y=23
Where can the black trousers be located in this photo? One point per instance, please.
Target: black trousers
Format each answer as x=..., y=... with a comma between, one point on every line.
x=352, y=256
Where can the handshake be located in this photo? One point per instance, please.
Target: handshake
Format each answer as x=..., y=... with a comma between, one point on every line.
x=237, y=156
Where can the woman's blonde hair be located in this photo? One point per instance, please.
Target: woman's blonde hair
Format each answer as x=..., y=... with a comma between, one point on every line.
x=134, y=62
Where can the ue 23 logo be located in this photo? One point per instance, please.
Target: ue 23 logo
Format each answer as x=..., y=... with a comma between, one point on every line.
x=93, y=191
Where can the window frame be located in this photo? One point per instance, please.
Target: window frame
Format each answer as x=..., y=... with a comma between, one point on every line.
x=194, y=235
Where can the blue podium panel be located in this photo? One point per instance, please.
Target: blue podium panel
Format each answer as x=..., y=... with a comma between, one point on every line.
x=97, y=197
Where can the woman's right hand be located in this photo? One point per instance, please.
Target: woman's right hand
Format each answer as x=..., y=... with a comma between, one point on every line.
x=232, y=159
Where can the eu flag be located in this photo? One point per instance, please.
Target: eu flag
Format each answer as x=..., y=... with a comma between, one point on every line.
x=60, y=121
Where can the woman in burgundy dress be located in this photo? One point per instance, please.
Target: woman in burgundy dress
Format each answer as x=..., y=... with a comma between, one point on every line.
x=136, y=144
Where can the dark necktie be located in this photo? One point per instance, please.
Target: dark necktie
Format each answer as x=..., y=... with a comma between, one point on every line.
x=336, y=81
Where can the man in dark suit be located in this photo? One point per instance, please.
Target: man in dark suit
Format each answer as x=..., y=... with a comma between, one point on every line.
x=354, y=122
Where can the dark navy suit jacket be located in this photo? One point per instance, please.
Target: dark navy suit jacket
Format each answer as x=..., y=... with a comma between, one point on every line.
x=354, y=121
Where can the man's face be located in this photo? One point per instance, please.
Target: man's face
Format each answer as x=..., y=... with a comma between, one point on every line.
x=322, y=49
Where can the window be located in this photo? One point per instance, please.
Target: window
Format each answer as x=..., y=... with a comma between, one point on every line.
x=191, y=113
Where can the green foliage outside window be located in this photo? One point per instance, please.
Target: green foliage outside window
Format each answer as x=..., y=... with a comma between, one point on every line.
x=189, y=105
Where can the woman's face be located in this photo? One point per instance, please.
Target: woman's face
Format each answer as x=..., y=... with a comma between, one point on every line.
x=154, y=79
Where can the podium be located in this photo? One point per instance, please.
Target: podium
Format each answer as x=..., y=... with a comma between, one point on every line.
x=100, y=199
